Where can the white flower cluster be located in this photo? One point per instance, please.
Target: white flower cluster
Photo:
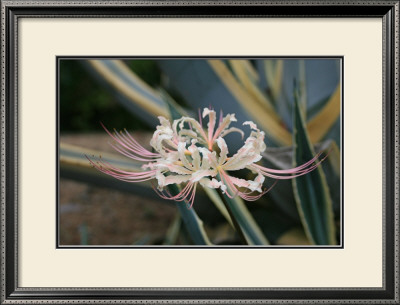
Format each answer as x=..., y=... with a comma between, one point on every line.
x=186, y=153
x=191, y=154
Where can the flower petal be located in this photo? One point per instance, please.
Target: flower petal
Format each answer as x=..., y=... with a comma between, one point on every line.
x=182, y=156
x=224, y=125
x=252, y=185
x=213, y=183
x=211, y=125
x=196, y=160
x=173, y=168
x=232, y=129
x=249, y=153
x=196, y=126
x=197, y=175
x=171, y=179
x=224, y=150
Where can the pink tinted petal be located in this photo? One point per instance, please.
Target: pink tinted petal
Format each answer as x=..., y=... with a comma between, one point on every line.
x=230, y=130
x=242, y=159
x=230, y=184
x=211, y=125
x=197, y=175
x=224, y=150
x=196, y=126
x=196, y=160
x=213, y=183
x=182, y=157
x=252, y=125
x=253, y=185
x=174, y=168
x=224, y=125
x=178, y=179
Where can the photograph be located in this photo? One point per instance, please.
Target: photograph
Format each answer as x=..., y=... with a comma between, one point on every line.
x=200, y=152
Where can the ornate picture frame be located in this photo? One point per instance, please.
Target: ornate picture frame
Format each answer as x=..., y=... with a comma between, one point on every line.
x=12, y=181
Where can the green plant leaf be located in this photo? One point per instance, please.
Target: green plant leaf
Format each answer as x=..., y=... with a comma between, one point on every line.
x=133, y=93
x=217, y=201
x=83, y=234
x=173, y=231
x=323, y=121
x=175, y=110
x=273, y=73
x=203, y=83
x=193, y=223
x=247, y=77
x=311, y=190
x=318, y=78
x=249, y=227
x=303, y=88
x=282, y=194
x=262, y=114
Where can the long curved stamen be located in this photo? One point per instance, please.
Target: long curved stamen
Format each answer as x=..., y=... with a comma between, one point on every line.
x=120, y=174
x=182, y=195
x=129, y=139
x=138, y=149
x=294, y=172
x=109, y=168
x=228, y=183
x=126, y=153
x=191, y=200
x=302, y=173
x=291, y=170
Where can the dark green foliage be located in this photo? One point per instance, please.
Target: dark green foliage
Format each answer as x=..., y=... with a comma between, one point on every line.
x=84, y=103
x=311, y=190
x=147, y=70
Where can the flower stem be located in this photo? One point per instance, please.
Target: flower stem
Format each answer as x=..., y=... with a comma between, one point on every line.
x=235, y=223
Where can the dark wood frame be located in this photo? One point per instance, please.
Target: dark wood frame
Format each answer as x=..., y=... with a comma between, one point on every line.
x=11, y=11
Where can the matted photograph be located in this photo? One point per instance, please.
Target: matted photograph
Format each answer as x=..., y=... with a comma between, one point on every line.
x=200, y=152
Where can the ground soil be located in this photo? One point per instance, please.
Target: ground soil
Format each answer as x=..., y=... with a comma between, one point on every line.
x=91, y=215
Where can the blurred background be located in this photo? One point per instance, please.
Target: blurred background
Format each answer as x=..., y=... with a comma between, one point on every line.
x=95, y=209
